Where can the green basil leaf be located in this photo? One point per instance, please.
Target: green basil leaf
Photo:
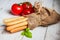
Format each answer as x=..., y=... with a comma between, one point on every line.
x=28, y=34
x=23, y=33
x=27, y=29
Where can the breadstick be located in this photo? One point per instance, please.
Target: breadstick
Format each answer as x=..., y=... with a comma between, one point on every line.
x=16, y=25
x=16, y=21
x=12, y=19
x=18, y=29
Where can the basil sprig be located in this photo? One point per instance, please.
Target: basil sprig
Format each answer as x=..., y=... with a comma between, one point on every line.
x=27, y=33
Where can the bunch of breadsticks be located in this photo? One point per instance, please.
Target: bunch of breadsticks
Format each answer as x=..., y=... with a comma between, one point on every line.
x=16, y=24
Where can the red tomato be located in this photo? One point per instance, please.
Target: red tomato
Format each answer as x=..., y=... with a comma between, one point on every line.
x=27, y=11
x=16, y=9
x=27, y=5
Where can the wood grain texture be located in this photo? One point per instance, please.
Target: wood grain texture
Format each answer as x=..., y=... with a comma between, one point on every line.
x=53, y=32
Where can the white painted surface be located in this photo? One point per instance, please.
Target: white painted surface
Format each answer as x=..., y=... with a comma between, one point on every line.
x=38, y=33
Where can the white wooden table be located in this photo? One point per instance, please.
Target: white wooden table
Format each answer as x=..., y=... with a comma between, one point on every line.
x=52, y=33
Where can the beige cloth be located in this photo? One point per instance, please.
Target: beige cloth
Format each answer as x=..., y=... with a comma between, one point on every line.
x=43, y=18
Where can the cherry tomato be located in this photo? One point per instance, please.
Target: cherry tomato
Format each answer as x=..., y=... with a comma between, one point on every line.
x=27, y=11
x=16, y=9
x=27, y=5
